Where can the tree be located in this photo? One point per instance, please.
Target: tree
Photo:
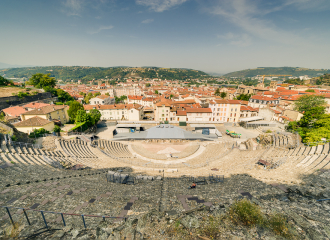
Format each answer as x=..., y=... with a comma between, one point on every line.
x=74, y=108
x=244, y=97
x=171, y=96
x=107, y=94
x=88, y=97
x=63, y=96
x=38, y=133
x=56, y=129
x=95, y=116
x=4, y=81
x=53, y=91
x=2, y=116
x=120, y=99
x=306, y=102
x=313, y=126
x=223, y=94
x=148, y=84
x=310, y=90
x=217, y=92
x=97, y=94
x=156, y=92
x=311, y=116
x=40, y=80
x=82, y=116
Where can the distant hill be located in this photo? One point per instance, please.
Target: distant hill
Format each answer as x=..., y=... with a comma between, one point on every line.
x=90, y=73
x=294, y=71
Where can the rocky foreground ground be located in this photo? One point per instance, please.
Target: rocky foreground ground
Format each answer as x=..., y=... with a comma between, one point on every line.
x=238, y=208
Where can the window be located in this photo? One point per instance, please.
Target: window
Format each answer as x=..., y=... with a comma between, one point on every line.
x=232, y=109
x=235, y=109
x=131, y=111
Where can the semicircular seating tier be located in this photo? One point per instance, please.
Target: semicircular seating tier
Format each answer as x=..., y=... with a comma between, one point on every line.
x=115, y=149
x=76, y=148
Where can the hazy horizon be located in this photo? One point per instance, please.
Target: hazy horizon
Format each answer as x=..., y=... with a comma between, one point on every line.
x=215, y=36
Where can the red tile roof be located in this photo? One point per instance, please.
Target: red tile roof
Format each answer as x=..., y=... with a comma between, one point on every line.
x=262, y=98
x=102, y=96
x=134, y=97
x=113, y=106
x=46, y=109
x=33, y=122
x=14, y=111
x=248, y=108
x=36, y=105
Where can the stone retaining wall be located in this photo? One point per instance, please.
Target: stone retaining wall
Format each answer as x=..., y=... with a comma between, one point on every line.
x=6, y=102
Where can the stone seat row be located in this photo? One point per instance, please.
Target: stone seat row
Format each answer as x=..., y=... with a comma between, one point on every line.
x=23, y=168
x=21, y=149
x=76, y=148
x=304, y=159
x=116, y=149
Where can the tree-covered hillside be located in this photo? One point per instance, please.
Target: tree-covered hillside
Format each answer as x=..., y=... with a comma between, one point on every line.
x=90, y=73
x=294, y=71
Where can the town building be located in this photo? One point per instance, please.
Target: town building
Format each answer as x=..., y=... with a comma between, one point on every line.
x=257, y=101
x=129, y=112
x=199, y=114
x=134, y=99
x=225, y=110
x=102, y=100
x=51, y=112
x=36, y=122
x=162, y=111
x=16, y=111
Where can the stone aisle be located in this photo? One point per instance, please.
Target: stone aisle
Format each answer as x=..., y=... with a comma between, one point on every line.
x=164, y=196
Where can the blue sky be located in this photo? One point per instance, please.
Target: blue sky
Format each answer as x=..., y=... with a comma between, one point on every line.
x=209, y=35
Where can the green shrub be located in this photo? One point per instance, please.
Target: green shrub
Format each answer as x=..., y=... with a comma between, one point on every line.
x=14, y=138
x=279, y=225
x=269, y=131
x=38, y=133
x=56, y=129
x=246, y=213
x=210, y=228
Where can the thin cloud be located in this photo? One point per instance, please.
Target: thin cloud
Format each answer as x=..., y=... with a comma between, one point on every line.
x=73, y=7
x=246, y=15
x=147, y=21
x=102, y=28
x=309, y=5
x=76, y=7
x=240, y=40
x=160, y=5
